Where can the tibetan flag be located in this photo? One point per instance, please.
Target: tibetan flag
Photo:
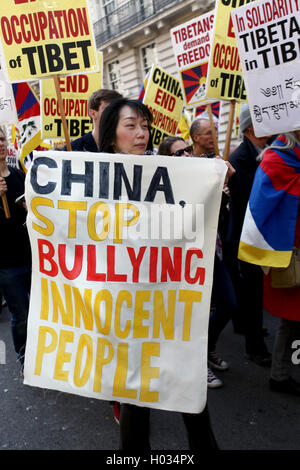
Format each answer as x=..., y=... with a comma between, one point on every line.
x=184, y=125
x=143, y=88
x=268, y=233
x=29, y=120
x=215, y=109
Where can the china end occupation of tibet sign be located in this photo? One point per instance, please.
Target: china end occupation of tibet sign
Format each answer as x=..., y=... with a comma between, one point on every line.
x=123, y=250
x=41, y=38
x=268, y=37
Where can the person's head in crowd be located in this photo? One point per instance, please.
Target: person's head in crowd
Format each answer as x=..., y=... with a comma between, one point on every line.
x=125, y=127
x=246, y=127
x=3, y=145
x=175, y=146
x=202, y=137
x=97, y=102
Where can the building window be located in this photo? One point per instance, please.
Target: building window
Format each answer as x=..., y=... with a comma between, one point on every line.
x=149, y=57
x=114, y=75
x=108, y=6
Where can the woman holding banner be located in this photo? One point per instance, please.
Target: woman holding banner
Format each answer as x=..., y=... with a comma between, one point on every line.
x=125, y=127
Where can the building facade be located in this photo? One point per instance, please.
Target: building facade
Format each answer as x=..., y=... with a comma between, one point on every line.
x=135, y=34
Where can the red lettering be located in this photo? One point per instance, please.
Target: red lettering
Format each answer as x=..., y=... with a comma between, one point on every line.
x=173, y=269
x=111, y=275
x=153, y=264
x=136, y=262
x=91, y=274
x=47, y=256
x=77, y=265
x=200, y=272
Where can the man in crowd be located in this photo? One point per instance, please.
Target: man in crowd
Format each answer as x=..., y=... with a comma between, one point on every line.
x=202, y=137
x=96, y=105
x=247, y=278
x=15, y=260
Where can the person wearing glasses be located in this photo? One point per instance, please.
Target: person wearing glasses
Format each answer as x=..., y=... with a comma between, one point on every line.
x=202, y=137
x=175, y=146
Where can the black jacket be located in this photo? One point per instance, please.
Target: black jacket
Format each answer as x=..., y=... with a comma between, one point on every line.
x=243, y=159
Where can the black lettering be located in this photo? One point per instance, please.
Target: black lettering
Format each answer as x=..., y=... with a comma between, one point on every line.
x=55, y=63
x=134, y=193
x=155, y=185
x=68, y=178
x=104, y=180
x=50, y=186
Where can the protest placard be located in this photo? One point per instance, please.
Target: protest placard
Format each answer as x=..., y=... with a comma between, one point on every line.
x=123, y=250
x=191, y=45
x=75, y=91
x=8, y=113
x=268, y=37
x=164, y=98
x=224, y=77
x=40, y=38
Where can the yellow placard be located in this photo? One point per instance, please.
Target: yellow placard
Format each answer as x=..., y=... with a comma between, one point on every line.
x=224, y=78
x=164, y=98
x=46, y=38
x=75, y=91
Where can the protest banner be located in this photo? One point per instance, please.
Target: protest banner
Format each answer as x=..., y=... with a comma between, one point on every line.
x=163, y=96
x=224, y=77
x=191, y=45
x=8, y=113
x=40, y=39
x=75, y=91
x=268, y=38
x=123, y=250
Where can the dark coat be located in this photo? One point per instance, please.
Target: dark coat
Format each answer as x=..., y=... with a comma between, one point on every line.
x=243, y=159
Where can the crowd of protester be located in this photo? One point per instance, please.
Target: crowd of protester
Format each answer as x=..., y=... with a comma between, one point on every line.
x=241, y=290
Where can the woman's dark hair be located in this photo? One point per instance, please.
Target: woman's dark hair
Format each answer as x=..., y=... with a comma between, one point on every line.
x=166, y=144
x=110, y=118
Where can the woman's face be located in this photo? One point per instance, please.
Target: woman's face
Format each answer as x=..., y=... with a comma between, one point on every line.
x=181, y=147
x=132, y=133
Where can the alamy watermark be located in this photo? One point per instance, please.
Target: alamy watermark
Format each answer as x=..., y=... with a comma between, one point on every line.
x=296, y=354
x=2, y=352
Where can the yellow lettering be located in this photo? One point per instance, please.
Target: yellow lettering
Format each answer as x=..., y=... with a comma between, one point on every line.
x=189, y=297
x=66, y=313
x=44, y=299
x=72, y=207
x=62, y=356
x=42, y=348
x=49, y=227
x=119, y=387
x=103, y=295
x=83, y=307
x=103, y=207
x=148, y=372
x=120, y=222
x=101, y=360
x=85, y=341
x=123, y=296
x=160, y=318
x=140, y=330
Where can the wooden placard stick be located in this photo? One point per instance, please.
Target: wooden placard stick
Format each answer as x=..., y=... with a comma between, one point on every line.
x=5, y=206
x=62, y=112
x=229, y=130
x=213, y=129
